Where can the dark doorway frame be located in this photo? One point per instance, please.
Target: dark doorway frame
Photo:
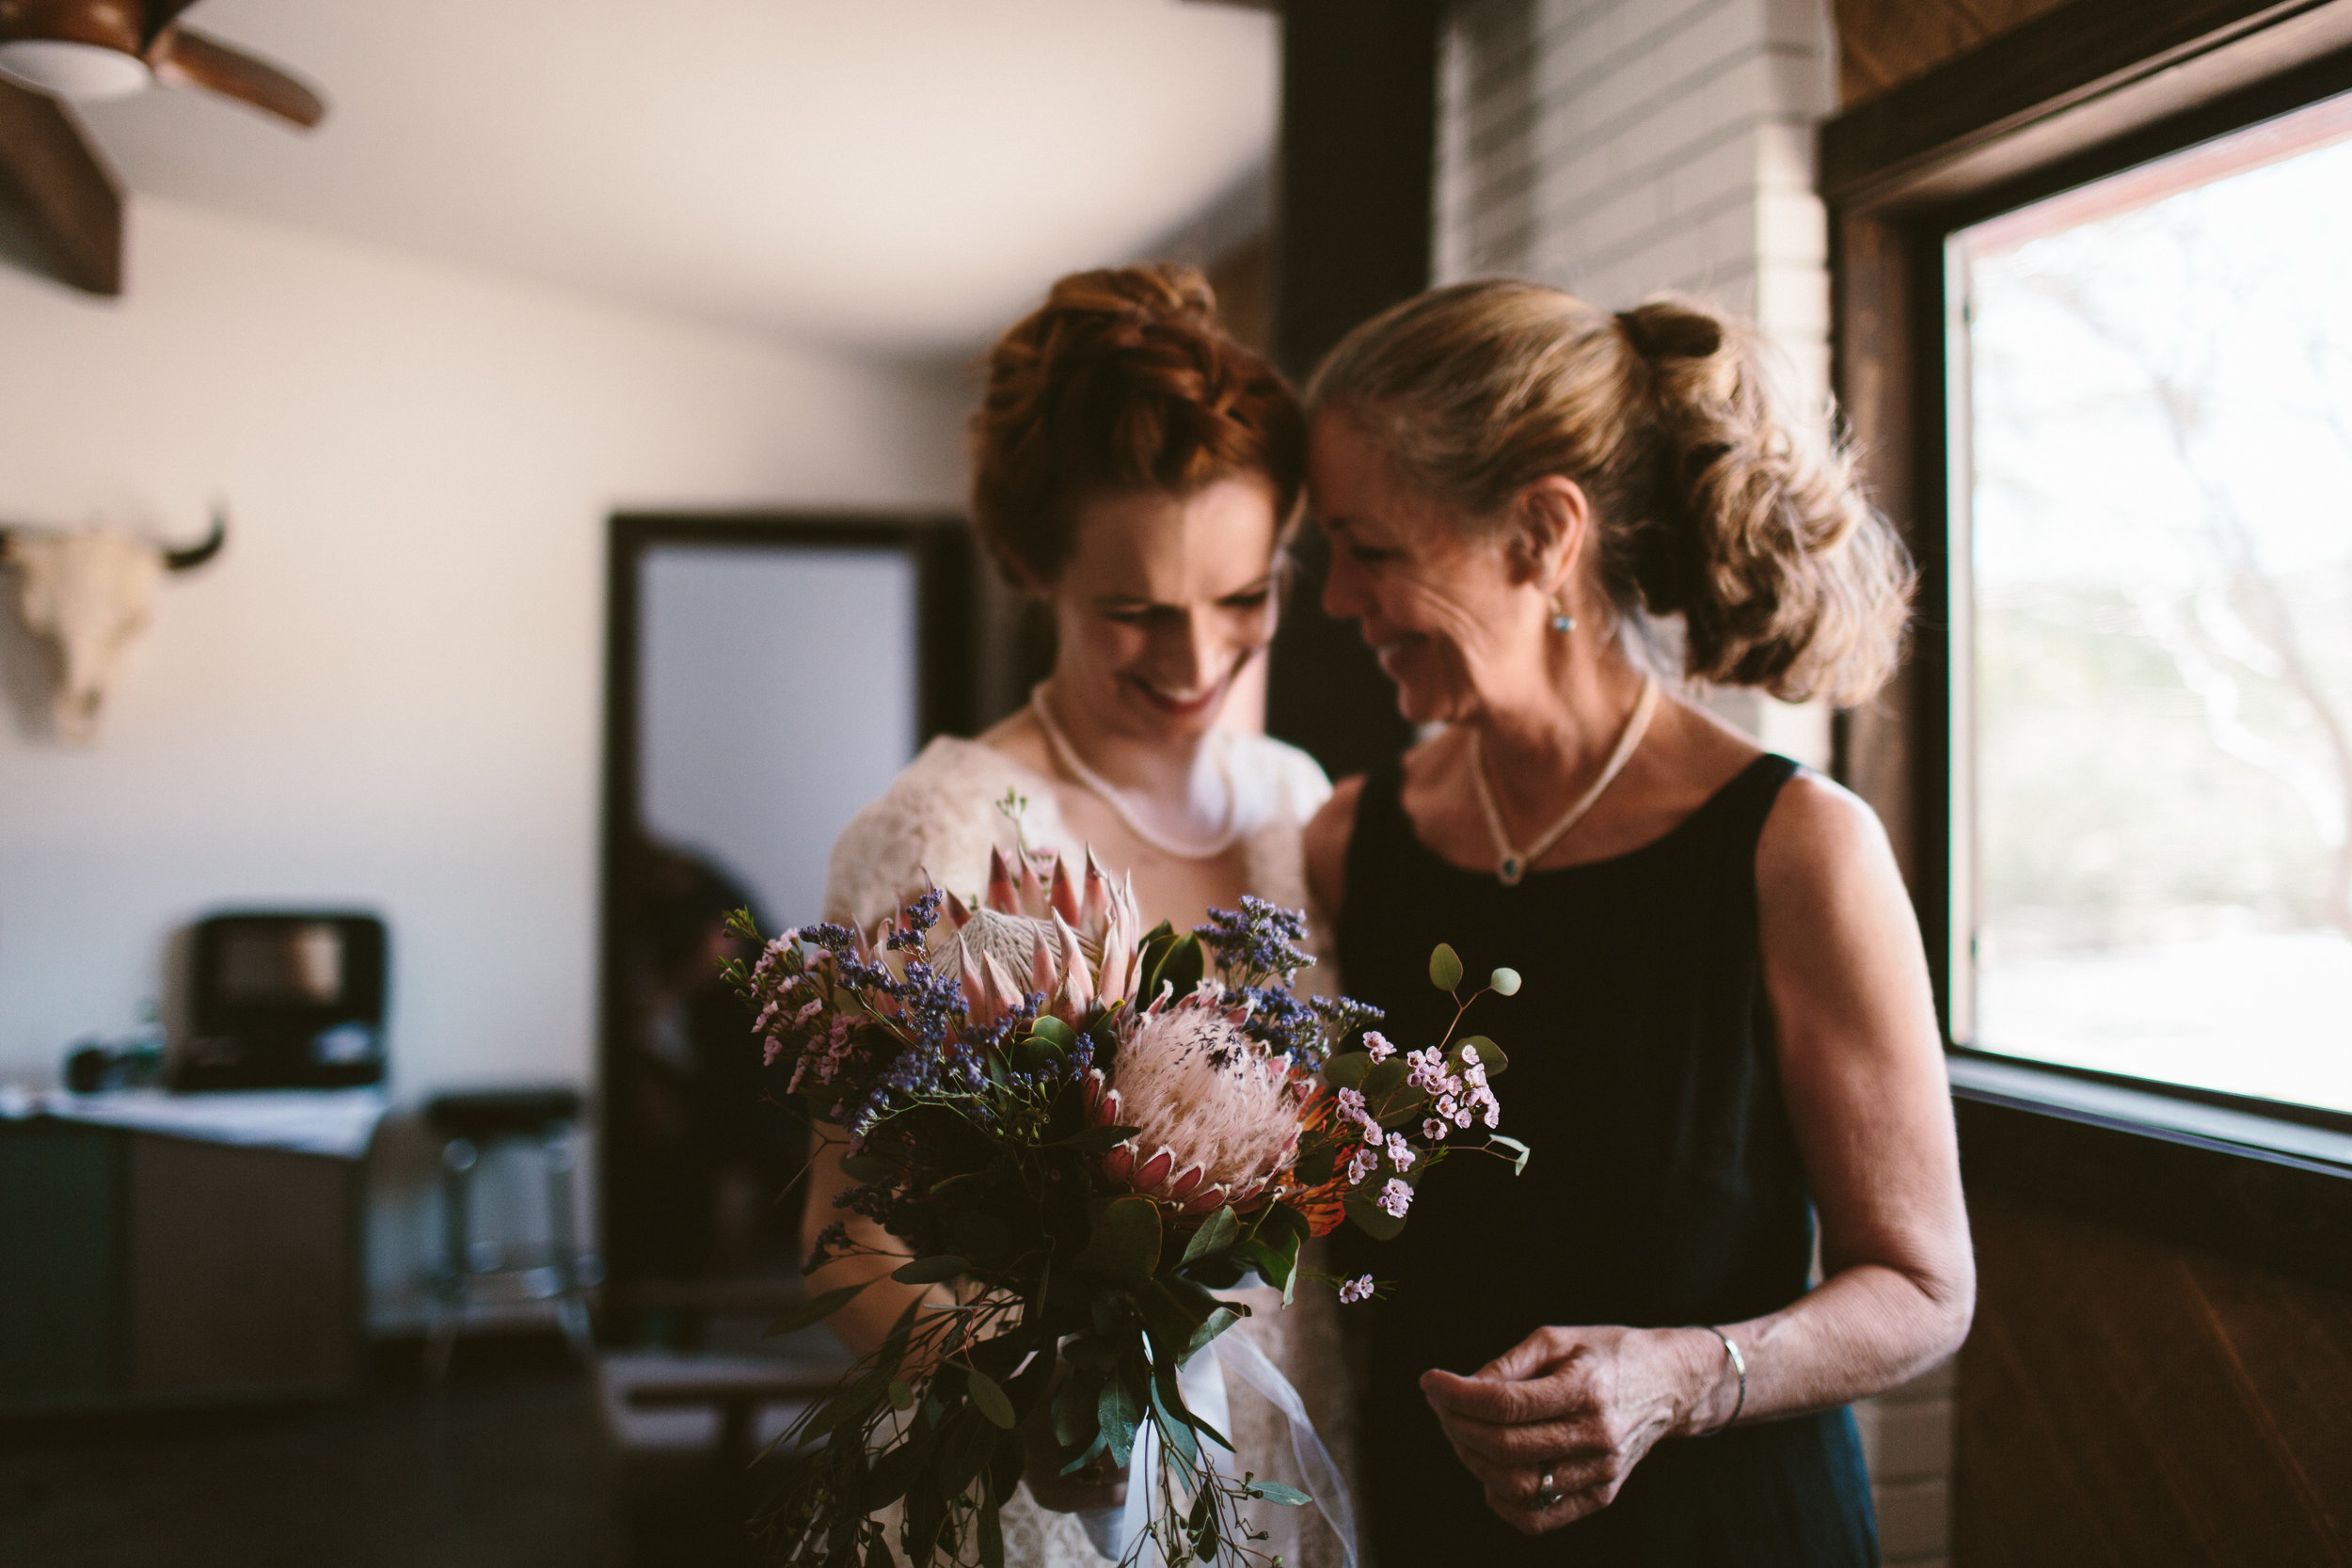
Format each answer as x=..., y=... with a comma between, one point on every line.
x=940, y=547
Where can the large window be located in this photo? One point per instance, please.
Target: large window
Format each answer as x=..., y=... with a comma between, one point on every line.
x=2151, y=562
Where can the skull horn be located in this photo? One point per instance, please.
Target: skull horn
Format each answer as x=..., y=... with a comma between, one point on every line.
x=196, y=555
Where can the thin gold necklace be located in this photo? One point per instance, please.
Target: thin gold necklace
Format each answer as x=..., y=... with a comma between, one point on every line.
x=1113, y=797
x=1510, y=862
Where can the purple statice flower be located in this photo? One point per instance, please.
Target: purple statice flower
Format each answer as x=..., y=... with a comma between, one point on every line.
x=1279, y=1019
x=1395, y=1199
x=834, y=1238
x=1376, y=1045
x=1256, y=943
x=1342, y=1016
x=1356, y=1290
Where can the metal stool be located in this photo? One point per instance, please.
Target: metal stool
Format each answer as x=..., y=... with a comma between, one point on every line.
x=468, y=1125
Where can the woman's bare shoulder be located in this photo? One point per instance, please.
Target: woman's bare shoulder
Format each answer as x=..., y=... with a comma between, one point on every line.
x=1820, y=839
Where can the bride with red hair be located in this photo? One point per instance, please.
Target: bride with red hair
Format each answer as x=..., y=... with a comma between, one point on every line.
x=1134, y=468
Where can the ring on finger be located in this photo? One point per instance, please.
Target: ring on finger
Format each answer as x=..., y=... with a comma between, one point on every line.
x=1546, y=1497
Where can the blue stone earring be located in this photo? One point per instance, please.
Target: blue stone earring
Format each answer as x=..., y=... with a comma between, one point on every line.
x=1561, y=619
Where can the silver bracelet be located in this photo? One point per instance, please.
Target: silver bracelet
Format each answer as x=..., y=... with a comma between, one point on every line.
x=1739, y=1365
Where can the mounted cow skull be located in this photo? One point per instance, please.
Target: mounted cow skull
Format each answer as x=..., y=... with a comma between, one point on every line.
x=87, y=594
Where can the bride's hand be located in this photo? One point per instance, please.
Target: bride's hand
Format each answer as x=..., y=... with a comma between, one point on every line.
x=1099, y=1485
x=1581, y=1405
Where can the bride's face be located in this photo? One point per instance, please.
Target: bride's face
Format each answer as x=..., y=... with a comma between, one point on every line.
x=1165, y=602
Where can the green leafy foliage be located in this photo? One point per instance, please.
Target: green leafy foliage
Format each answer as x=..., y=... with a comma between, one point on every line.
x=1125, y=1245
x=1445, y=967
x=989, y=1399
x=816, y=1310
x=1076, y=1305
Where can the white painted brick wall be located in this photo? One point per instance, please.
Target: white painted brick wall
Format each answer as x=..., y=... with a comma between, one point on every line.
x=1616, y=148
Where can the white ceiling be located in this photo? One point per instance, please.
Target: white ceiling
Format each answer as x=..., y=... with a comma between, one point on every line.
x=898, y=175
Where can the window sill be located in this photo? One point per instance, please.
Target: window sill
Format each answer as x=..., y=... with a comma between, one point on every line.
x=2273, y=1191
x=2292, y=1137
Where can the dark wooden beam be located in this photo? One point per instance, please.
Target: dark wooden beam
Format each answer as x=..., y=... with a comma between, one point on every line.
x=2074, y=76
x=1354, y=196
x=60, y=206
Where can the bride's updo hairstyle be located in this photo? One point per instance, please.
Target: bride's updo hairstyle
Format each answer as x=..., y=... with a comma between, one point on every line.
x=1123, y=381
x=1713, y=502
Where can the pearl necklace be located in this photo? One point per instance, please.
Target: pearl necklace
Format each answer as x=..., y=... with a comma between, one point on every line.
x=1510, y=862
x=1111, y=795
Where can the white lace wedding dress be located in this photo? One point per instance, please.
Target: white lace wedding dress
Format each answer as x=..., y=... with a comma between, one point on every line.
x=937, y=823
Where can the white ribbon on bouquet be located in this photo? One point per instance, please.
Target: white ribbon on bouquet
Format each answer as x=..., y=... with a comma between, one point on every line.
x=1200, y=1383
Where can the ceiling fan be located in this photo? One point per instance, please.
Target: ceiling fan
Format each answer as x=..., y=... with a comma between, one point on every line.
x=90, y=50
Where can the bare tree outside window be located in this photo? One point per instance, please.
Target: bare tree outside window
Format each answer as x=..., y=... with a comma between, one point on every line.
x=2159, y=442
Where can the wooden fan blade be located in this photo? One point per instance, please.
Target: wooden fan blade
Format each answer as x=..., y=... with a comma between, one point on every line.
x=60, y=209
x=156, y=15
x=194, y=60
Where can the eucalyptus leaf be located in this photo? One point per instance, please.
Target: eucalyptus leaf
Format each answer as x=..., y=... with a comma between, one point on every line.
x=932, y=1270
x=992, y=1539
x=1101, y=1444
x=1174, y=1419
x=1490, y=1056
x=1445, y=967
x=816, y=1310
x=1385, y=1078
x=1119, y=1412
x=1347, y=1070
x=961, y=1453
x=901, y=1394
x=1373, y=1220
x=989, y=1399
x=1214, y=1235
x=1074, y=1419
x=1054, y=1031
x=1275, y=1492
x=1315, y=1167
x=1125, y=1245
x=1519, y=1151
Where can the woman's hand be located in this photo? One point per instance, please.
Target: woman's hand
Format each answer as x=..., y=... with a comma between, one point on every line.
x=1581, y=1405
x=1099, y=1485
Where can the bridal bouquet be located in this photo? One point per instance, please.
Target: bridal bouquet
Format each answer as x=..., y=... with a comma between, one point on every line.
x=1081, y=1132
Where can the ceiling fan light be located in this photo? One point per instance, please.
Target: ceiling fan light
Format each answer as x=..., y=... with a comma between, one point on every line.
x=86, y=72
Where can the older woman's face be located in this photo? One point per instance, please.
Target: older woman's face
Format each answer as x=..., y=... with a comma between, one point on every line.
x=1166, y=602
x=1440, y=605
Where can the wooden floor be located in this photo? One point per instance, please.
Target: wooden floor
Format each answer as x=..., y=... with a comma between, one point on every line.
x=2128, y=1402
x=507, y=1468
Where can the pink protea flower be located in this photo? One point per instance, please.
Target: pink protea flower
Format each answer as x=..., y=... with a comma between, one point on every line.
x=1219, y=1113
x=1037, y=929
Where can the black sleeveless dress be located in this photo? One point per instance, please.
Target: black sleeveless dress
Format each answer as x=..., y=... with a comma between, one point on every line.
x=1665, y=1186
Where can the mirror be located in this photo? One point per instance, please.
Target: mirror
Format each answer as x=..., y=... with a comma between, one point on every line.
x=767, y=678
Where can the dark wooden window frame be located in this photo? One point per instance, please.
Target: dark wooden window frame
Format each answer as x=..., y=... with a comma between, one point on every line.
x=946, y=626
x=2081, y=91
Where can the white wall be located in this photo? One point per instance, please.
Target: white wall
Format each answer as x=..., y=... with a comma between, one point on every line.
x=1616, y=148
x=387, y=690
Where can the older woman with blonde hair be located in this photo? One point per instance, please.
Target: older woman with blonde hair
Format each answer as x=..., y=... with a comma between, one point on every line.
x=1552, y=522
